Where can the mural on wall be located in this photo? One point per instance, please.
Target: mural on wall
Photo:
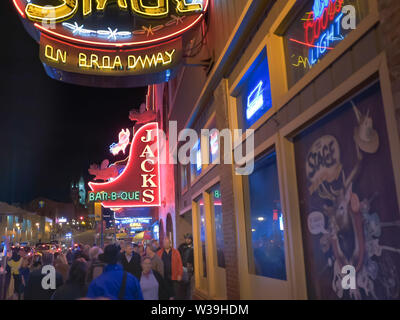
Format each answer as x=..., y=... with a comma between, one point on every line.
x=348, y=202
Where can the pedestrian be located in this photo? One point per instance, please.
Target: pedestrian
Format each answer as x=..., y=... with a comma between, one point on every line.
x=62, y=266
x=96, y=266
x=37, y=261
x=131, y=261
x=173, y=268
x=75, y=287
x=25, y=272
x=155, y=246
x=152, y=283
x=69, y=256
x=14, y=265
x=114, y=283
x=141, y=251
x=156, y=261
x=186, y=251
x=34, y=289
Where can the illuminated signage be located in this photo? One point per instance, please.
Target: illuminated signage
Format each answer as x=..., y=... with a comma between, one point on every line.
x=317, y=29
x=91, y=61
x=255, y=101
x=323, y=28
x=61, y=220
x=123, y=39
x=256, y=92
x=123, y=142
x=139, y=183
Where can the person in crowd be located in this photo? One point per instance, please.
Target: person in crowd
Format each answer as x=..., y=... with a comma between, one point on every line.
x=186, y=251
x=155, y=246
x=141, y=252
x=135, y=248
x=131, y=260
x=25, y=271
x=37, y=261
x=14, y=265
x=85, y=252
x=69, y=256
x=114, y=283
x=152, y=283
x=156, y=262
x=173, y=268
x=75, y=287
x=96, y=266
x=61, y=265
x=34, y=289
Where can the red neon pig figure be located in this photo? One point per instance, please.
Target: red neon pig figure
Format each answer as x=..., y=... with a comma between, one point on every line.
x=104, y=172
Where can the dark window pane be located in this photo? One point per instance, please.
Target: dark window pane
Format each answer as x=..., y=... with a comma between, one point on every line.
x=267, y=256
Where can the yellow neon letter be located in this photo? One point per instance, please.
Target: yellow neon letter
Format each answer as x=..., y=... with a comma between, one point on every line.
x=87, y=7
x=160, y=10
x=183, y=7
x=82, y=60
x=101, y=4
x=52, y=13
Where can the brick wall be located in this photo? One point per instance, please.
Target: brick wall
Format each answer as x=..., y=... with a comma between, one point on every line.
x=227, y=198
x=390, y=34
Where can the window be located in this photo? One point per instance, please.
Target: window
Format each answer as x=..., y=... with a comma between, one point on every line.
x=10, y=222
x=255, y=94
x=184, y=177
x=219, y=233
x=196, y=165
x=265, y=221
x=202, y=215
x=311, y=36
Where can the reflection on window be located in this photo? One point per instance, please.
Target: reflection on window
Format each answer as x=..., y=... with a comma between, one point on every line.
x=265, y=223
x=196, y=161
x=219, y=233
x=214, y=145
x=203, y=234
x=184, y=177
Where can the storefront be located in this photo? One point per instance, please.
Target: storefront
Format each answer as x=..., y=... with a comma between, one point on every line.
x=325, y=189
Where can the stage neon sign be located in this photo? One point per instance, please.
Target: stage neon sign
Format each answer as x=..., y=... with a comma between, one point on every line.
x=139, y=183
x=133, y=42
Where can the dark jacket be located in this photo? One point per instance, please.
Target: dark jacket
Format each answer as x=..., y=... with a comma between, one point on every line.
x=186, y=252
x=162, y=287
x=34, y=289
x=70, y=291
x=133, y=266
x=108, y=285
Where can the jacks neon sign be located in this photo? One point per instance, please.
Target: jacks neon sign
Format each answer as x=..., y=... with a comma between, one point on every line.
x=139, y=183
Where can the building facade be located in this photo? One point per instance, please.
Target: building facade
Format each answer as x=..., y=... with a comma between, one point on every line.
x=319, y=83
x=19, y=225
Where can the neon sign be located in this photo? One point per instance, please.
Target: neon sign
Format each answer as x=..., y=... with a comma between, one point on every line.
x=332, y=34
x=319, y=7
x=255, y=101
x=124, y=39
x=322, y=28
x=123, y=142
x=139, y=183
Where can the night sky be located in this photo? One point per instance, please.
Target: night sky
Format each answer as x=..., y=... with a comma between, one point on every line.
x=50, y=132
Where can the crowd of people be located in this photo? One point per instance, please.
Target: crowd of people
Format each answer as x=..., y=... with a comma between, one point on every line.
x=122, y=271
